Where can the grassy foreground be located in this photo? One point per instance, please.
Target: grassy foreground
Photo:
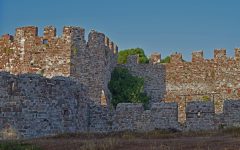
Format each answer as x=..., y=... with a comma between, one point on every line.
x=17, y=145
x=227, y=139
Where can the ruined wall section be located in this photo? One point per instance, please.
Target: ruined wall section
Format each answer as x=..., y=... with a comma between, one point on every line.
x=200, y=116
x=133, y=117
x=93, y=63
x=154, y=77
x=216, y=79
x=179, y=81
x=34, y=106
x=231, y=113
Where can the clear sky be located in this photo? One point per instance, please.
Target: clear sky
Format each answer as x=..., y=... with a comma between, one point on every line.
x=165, y=26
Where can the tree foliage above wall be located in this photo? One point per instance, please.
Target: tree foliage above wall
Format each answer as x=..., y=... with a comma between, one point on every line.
x=126, y=88
x=122, y=55
x=166, y=60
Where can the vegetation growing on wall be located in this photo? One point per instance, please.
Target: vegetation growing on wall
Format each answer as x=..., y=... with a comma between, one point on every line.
x=206, y=98
x=122, y=55
x=8, y=50
x=126, y=88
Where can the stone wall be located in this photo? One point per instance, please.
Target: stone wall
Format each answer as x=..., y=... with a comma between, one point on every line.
x=179, y=81
x=33, y=106
x=154, y=77
x=200, y=116
x=133, y=117
x=26, y=52
x=231, y=113
x=90, y=62
x=93, y=63
x=101, y=118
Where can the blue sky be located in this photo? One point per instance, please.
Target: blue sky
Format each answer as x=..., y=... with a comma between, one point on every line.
x=165, y=26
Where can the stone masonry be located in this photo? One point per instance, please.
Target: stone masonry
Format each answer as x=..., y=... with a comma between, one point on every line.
x=179, y=81
x=89, y=62
x=51, y=85
x=33, y=106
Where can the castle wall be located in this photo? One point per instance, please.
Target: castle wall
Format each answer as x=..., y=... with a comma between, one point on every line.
x=133, y=117
x=231, y=112
x=101, y=118
x=154, y=77
x=200, y=116
x=27, y=52
x=178, y=81
x=34, y=106
x=91, y=63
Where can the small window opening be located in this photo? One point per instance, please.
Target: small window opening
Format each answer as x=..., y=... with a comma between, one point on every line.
x=45, y=41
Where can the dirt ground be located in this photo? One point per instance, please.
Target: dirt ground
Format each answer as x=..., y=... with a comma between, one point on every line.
x=153, y=141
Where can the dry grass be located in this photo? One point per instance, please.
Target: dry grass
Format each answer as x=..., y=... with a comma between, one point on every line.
x=224, y=139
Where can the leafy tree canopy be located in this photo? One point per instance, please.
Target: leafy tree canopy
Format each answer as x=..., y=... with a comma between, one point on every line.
x=122, y=55
x=166, y=60
x=126, y=88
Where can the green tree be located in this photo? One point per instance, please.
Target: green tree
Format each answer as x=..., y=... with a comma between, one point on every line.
x=166, y=60
x=122, y=55
x=126, y=88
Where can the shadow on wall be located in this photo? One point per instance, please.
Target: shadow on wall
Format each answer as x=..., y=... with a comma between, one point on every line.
x=34, y=106
x=200, y=116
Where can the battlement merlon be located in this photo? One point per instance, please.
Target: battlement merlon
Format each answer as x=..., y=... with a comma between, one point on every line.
x=155, y=58
x=176, y=58
x=220, y=54
x=73, y=34
x=197, y=56
x=28, y=31
x=98, y=39
x=49, y=32
x=133, y=59
x=237, y=54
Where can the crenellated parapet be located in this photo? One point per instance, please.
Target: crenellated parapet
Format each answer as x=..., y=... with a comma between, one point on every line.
x=198, y=57
x=69, y=54
x=181, y=81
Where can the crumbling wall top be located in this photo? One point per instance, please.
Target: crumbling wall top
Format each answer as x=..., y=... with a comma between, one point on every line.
x=133, y=59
